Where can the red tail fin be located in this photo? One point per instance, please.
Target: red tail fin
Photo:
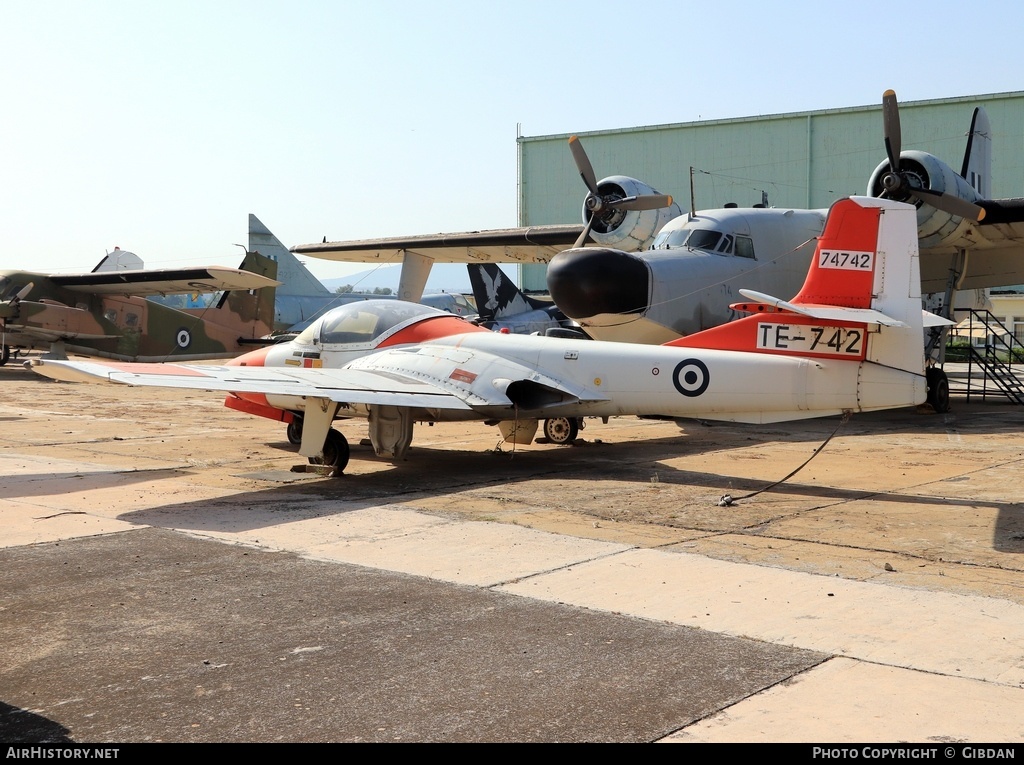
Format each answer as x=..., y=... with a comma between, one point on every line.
x=844, y=263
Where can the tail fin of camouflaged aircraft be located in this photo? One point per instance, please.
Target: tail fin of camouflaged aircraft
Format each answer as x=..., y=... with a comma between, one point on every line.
x=251, y=312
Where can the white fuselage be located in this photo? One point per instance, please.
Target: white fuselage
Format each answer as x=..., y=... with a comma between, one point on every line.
x=566, y=377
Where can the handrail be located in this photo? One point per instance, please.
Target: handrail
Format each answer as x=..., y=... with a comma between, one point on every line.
x=996, y=359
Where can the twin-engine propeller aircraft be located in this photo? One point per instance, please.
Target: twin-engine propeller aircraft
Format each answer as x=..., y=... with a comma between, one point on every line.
x=105, y=313
x=850, y=341
x=685, y=281
x=652, y=274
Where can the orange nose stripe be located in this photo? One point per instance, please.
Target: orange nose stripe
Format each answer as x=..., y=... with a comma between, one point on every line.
x=251, y=359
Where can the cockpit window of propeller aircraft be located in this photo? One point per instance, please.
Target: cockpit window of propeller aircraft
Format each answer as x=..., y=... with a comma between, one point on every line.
x=708, y=240
x=711, y=241
x=669, y=239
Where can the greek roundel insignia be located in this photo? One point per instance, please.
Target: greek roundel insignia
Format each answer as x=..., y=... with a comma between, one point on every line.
x=691, y=377
x=183, y=338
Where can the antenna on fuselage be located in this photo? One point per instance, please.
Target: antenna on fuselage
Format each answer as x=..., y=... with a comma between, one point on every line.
x=693, y=202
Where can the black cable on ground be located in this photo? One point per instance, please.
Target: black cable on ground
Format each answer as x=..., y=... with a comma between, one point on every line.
x=728, y=500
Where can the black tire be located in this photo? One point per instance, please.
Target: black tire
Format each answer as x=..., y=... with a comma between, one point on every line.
x=561, y=430
x=5, y=354
x=295, y=430
x=938, y=389
x=336, y=451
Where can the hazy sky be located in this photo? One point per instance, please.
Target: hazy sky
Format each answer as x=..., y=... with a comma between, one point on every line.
x=158, y=126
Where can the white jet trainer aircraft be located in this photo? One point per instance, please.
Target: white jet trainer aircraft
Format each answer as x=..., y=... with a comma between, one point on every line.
x=850, y=341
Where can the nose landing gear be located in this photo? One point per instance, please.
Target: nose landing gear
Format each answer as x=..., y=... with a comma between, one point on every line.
x=336, y=453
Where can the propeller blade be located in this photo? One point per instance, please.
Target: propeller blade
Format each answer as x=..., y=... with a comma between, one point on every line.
x=579, y=156
x=951, y=204
x=645, y=202
x=891, y=128
x=581, y=241
x=9, y=308
x=897, y=185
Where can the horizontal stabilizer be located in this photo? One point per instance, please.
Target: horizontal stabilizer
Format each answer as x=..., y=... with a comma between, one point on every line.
x=830, y=312
x=934, y=320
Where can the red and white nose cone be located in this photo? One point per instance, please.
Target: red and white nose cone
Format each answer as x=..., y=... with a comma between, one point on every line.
x=251, y=359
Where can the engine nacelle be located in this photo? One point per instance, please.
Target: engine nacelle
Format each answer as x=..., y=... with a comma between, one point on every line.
x=628, y=230
x=934, y=227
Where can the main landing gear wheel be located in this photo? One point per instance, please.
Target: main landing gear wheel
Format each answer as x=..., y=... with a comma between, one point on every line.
x=295, y=430
x=938, y=389
x=5, y=355
x=336, y=453
x=561, y=430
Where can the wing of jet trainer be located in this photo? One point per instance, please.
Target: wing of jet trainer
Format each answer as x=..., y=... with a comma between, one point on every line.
x=349, y=386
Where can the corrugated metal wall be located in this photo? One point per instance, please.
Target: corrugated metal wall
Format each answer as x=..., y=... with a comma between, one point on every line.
x=806, y=159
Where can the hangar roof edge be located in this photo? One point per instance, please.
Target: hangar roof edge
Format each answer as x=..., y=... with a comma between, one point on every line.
x=779, y=116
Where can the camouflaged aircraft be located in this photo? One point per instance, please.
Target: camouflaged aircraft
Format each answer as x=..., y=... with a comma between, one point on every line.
x=106, y=314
